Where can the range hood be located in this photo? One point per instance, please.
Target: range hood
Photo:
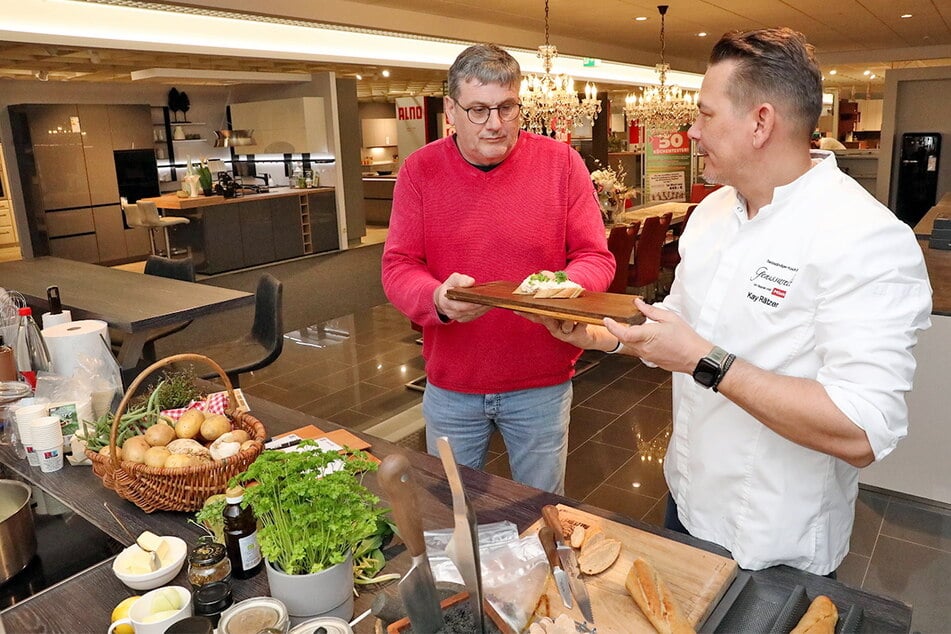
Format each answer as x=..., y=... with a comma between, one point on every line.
x=233, y=138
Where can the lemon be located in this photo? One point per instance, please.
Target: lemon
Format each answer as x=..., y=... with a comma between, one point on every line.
x=121, y=611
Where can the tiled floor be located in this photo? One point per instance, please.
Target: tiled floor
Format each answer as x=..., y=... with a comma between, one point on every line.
x=352, y=370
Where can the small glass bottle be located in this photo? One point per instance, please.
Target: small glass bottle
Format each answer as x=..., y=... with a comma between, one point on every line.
x=208, y=562
x=32, y=355
x=241, y=535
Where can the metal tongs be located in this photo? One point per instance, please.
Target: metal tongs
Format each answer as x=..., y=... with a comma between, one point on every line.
x=463, y=547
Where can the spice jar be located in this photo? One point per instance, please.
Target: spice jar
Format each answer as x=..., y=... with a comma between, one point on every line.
x=211, y=599
x=208, y=562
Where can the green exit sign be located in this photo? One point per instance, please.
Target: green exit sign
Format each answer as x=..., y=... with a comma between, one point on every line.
x=590, y=61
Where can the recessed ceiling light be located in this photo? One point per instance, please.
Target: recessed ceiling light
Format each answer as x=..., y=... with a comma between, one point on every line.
x=867, y=73
x=702, y=34
x=641, y=18
x=359, y=77
x=386, y=73
x=833, y=72
x=872, y=76
x=905, y=16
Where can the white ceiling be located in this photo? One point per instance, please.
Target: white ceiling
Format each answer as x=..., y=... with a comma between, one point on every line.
x=850, y=36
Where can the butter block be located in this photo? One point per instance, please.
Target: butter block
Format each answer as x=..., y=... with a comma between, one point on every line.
x=152, y=542
x=136, y=562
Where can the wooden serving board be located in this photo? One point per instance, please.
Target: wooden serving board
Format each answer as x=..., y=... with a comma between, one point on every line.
x=697, y=578
x=589, y=307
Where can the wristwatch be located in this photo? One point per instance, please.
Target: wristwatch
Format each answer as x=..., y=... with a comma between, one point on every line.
x=711, y=368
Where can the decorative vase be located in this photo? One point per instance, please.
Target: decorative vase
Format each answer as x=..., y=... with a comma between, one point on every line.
x=325, y=593
x=610, y=208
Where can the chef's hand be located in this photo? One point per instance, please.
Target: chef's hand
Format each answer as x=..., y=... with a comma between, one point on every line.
x=665, y=340
x=453, y=310
x=584, y=336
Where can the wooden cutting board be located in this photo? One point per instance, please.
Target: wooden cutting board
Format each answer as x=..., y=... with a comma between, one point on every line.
x=589, y=308
x=697, y=578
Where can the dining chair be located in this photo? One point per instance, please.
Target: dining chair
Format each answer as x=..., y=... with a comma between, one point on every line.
x=261, y=346
x=670, y=253
x=150, y=218
x=182, y=269
x=699, y=191
x=646, y=268
x=621, y=242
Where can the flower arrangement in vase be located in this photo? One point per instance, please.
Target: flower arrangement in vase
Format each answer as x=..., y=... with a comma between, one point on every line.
x=611, y=189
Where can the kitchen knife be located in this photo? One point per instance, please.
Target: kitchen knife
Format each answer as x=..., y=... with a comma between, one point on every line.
x=417, y=587
x=463, y=548
x=569, y=562
x=547, y=538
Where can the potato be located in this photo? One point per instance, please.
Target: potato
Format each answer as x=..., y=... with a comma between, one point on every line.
x=189, y=425
x=177, y=460
x=106, y=451
x=156, y=456
x=159, y=434
x=133, y=450
x=189, y=447
x=215, y=426
x=239, y=435
x=247, y=444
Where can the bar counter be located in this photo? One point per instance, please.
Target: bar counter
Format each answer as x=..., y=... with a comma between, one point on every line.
x=171, y=201
x=85, y=602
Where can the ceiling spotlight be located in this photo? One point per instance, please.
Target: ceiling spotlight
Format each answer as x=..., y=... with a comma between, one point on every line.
x=641, y=18
x=359, y=77
x=702, y=34
x=833, y=72
x=386, y=73
x=872, y=76
x=867, y=73
x=42, y=75
x=905, y=16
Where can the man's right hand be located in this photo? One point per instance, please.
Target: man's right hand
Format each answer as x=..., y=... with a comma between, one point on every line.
x=457, y=311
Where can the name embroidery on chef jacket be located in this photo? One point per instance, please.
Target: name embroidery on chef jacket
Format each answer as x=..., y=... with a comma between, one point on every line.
x=770, y=282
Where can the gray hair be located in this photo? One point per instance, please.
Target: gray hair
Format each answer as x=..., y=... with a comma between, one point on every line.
x=774, y=64
x=487, y=64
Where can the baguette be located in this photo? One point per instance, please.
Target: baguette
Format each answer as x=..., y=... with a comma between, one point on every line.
x=655, y=600
x=820, y=618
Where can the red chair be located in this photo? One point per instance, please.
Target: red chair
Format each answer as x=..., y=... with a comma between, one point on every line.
x=699, y=191
x=621, y=242
x=669, y=254
x=646, y=268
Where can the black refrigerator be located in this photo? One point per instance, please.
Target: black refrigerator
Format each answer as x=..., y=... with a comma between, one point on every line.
x=917, y=175
x=137, y=174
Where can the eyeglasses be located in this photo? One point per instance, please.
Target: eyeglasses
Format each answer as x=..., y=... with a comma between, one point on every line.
x=480, y=114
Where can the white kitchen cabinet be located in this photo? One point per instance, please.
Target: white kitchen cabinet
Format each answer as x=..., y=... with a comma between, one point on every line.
x=379, y=132
x=871, y=115
x=282, y=126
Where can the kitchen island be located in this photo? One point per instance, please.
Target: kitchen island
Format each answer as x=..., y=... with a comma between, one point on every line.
x=84, y=602
x=225, y=234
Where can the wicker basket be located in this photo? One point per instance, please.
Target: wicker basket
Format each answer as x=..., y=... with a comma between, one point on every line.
x=184, y=488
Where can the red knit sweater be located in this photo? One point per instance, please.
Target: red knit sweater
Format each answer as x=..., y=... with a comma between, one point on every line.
x=536, y=210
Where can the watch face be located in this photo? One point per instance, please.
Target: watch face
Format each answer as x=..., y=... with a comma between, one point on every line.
x=706, y=372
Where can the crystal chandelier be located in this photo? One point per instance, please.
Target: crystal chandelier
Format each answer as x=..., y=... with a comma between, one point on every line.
x=661, y=107
x=549, y=102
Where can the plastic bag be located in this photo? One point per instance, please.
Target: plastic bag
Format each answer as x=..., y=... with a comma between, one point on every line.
x=514, y=569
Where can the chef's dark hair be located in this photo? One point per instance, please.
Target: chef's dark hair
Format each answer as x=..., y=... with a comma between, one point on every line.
x=775, y=65
x=487, y=64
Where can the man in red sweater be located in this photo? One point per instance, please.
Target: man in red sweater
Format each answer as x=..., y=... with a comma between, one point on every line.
x=489, y=203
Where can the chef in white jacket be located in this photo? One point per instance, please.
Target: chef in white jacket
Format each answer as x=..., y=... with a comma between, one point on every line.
x=790, y=324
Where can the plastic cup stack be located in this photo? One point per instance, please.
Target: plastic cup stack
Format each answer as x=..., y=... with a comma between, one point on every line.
x=47, y=436
x=25, y=416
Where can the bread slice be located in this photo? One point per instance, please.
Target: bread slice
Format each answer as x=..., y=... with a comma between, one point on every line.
x=820, y=618
x=563, y=292
x=599, y=557
x=655, y=600
x=548, y=285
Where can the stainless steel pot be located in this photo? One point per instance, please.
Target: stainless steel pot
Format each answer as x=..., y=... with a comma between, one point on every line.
x=17, y=535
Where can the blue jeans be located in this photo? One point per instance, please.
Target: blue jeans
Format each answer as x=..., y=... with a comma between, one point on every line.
x=533, y=424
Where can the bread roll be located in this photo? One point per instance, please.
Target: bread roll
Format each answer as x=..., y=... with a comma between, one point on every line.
x=655, y=600
x=820, y=618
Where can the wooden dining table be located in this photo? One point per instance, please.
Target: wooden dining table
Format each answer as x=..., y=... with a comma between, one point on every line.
x=136, y=304
x=642, y=213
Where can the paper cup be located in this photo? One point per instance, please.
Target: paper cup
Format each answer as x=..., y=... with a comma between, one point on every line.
x=46, y=431
x=50, y=459
x=24, y=416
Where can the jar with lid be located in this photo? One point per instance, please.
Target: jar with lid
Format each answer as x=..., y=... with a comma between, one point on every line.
x=211, y=599
x=208, y=562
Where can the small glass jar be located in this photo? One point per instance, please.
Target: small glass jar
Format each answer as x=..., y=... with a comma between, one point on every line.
x=254, y=615
x=211, y=599
x=208, y=562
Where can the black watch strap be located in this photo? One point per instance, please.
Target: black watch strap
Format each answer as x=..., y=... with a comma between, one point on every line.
x=730, y=358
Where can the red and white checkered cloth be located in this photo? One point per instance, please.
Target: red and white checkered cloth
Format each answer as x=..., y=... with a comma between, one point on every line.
x=215, y=403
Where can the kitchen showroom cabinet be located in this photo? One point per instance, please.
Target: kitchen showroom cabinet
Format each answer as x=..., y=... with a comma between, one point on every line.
x=282, y=126
x=323, y=221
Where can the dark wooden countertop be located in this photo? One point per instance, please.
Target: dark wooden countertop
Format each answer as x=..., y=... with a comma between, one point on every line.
x=84, y=602
x=171, y=201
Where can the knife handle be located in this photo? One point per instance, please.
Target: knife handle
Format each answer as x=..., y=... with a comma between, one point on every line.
x=52, y=296
x=547, y=539
x=396, y=478
x=550, y=513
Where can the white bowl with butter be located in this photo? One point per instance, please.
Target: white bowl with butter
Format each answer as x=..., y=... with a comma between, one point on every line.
x=131, y=566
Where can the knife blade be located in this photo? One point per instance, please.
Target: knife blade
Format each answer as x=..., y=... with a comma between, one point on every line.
x=463, y=548
x=417, y=587
x=569, y=562
x=547, y=538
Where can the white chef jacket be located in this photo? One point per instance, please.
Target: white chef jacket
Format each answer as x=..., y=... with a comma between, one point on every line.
x=823, y=283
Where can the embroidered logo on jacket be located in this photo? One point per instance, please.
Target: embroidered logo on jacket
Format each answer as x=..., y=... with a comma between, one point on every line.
x=770, y=282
